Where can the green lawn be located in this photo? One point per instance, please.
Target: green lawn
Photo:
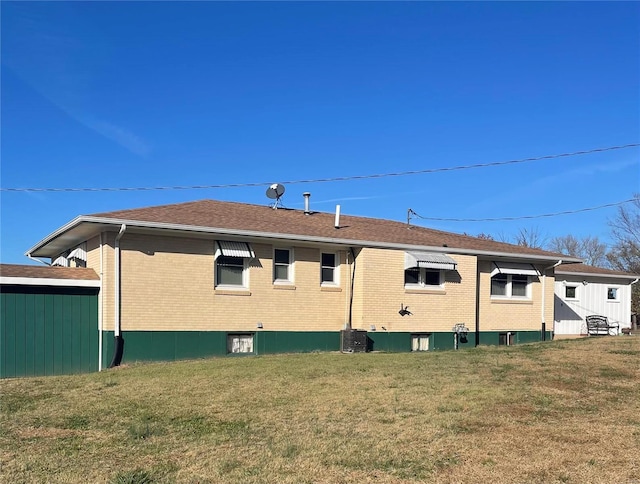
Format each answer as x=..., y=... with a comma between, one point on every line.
x=562, y=411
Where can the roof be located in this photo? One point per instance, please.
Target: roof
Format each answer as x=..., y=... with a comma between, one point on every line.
x=46, y=275
x=240, y=219
x=587, y=270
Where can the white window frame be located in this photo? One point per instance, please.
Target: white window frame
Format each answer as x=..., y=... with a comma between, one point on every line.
x=616, y=290
x=509, y=288
x=422, y=279
x=336, y=269
x=245, y=275
x=239, y=341
x=420, y=342
x=289, y=265
x=577, y=293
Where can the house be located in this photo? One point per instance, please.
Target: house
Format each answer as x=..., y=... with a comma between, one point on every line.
x=48, y=320
x=210, y=277
x=581, y=290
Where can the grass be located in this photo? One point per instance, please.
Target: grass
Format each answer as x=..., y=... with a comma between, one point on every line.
x=561, y=411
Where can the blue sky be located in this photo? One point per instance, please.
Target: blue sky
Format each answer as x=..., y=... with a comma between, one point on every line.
x=120, y=94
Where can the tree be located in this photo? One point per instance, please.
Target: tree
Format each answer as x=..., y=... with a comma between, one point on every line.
x=531, y=237
x=625, y=254
x=590, y=249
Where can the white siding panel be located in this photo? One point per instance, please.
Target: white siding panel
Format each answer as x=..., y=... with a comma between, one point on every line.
x=591, y=298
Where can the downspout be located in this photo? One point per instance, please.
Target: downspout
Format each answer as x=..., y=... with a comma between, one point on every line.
x=544, y=280
x=36, y=259
x=100, y=309
x=118, y=341
x=353, y=278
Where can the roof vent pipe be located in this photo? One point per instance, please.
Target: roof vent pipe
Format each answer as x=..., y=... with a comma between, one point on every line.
x=306, y=196
x=337, y=222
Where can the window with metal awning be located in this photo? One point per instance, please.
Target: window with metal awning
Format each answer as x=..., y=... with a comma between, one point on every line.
x=514, y=268
x=79, y=253
x=229, y=248
x=429, y=260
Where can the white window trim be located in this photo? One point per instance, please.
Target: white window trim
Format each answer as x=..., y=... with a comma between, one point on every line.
x=577, y=287
x=421, y=280
x=245, y=277
x=291, y=266
x=336, y=270
x=241, y=335
x=617, y=298
x=509, y=290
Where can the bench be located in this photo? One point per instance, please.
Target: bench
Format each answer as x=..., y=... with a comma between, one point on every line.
x=600, y=326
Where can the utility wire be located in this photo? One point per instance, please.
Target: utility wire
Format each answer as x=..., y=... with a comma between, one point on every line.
x=322, y=180
x=524, y=217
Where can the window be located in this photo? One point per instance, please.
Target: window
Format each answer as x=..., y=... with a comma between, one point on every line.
x=282, y=266
x=231, y=263
x=419, y=342
x=612, y=294
x=427, y=278
x=505, y=339
x=240, y=343
x=571, y=292
x=229, y=271
x=329, y=268
x=499, y=285
x=510, y=286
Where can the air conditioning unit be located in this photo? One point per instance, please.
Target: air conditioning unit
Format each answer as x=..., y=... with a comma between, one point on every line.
x=353, y=340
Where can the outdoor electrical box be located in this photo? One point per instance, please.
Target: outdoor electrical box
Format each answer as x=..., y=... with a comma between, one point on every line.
x=354, y=340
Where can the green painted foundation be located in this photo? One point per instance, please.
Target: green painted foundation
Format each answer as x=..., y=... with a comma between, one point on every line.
x=48, y=331
x=180, y=345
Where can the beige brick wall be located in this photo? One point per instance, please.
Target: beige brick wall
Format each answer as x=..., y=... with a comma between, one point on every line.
x=168, y=284
x=380, y=292
x=496, y=314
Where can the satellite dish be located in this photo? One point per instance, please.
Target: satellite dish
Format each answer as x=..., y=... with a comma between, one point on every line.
x=274, y=192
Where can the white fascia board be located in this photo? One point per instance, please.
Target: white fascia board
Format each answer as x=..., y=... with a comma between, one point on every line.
x=597, y=275
x=273, y=235
x=44, y=281
x=65, y=228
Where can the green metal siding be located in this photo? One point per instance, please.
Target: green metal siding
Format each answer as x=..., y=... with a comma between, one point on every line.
x=178, y=345
x=491, y=338
x=48, y=330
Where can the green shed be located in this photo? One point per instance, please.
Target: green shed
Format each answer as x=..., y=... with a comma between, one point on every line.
x=48, y=320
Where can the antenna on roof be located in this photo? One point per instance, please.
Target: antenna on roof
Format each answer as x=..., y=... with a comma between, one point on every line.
x=275, y=192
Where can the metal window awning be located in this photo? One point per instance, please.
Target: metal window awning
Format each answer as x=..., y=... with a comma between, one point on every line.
x=229, y=248
x=429, y=260
x=60, y=262
x=514, y=268
x=78, y=253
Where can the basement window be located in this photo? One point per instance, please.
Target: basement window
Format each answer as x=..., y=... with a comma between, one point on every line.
x=240, y=343
x=506, y=339
x=420, y=342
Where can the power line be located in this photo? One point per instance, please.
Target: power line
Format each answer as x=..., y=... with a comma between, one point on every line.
x=524, y=217
x=321, y=180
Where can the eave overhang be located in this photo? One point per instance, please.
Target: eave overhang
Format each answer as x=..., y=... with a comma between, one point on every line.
x=84, y=227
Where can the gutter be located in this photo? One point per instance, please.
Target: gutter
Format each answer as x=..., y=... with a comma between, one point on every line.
x=544, y=285
x=36, y=259
x=291, y=237
x=118, y=341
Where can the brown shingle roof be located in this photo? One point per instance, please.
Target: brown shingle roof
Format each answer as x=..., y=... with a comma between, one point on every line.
x=264, y=219
x=46, y=272
x=586, y=269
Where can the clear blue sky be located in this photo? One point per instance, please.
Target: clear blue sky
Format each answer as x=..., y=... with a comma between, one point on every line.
x=119, y=94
